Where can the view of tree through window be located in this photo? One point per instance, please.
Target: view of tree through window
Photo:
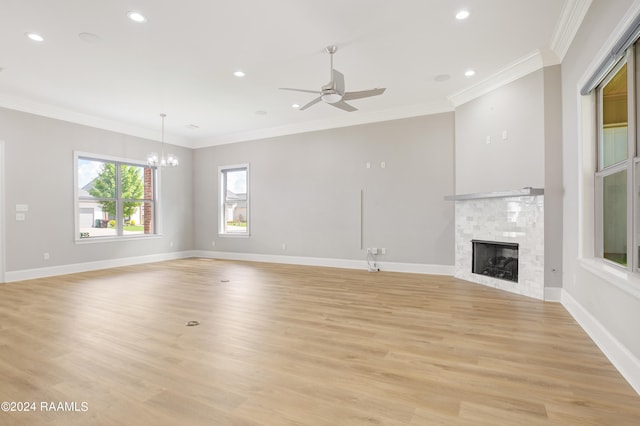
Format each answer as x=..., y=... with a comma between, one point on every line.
x=114, y=198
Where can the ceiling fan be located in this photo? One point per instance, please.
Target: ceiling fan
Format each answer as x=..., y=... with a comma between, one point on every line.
x=333, y=92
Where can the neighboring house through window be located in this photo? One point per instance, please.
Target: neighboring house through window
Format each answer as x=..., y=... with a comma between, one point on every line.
x=114, y=198
x=234, y=200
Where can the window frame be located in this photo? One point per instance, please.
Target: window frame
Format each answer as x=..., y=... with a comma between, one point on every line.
x=631, y=59
x=118, y=199
x=222, y=200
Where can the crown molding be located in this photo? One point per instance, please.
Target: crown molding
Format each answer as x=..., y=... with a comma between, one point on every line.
x=64, y=114
x=573, y=12
x=353, y=119
x=526, y=65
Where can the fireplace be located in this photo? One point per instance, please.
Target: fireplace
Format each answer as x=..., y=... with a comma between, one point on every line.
x=516, y=217
x=495, y=259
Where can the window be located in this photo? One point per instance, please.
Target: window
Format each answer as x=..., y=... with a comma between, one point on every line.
x=234, y=200
x=114, y=198
x=616, y=199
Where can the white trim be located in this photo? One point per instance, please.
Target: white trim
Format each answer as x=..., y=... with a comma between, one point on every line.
x=346, y=120
x=64, y=114
x=573, y=12
x=613, y=274
x=606, y=49
x=418, y=268
x=532, y=62
x=52, y=271
x=552, y=294
x=621, y=358
x=223, y=196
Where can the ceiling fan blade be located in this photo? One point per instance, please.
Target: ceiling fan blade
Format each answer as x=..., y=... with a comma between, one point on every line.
x=313, y=102
x=344, y=106
x=338, y=81
x=362, y=94
x=301, y=90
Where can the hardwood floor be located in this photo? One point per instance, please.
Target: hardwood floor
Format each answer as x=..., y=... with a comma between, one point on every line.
x=294, y=345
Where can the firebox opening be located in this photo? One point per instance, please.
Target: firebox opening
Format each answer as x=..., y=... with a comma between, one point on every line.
x=495, y=259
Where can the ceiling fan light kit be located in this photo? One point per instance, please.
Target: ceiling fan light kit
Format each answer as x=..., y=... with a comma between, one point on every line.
x=333, y=93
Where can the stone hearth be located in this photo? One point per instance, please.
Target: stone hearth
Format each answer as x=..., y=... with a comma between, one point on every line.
x=512, y=219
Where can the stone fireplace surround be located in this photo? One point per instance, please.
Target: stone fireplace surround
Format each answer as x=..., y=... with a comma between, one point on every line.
x=511, y=216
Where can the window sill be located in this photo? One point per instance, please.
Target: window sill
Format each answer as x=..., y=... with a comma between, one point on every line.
x=95, y=240
x=234, y=235
x=626, y=281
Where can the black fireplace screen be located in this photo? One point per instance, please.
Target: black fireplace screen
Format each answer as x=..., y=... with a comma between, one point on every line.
x=495, y=259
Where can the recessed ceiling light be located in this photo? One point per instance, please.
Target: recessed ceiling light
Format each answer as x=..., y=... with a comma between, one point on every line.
x=239, y=73
x=136, y=16
x=295, y=106
x=35, y=37
x=469, y=73
x=463, y=14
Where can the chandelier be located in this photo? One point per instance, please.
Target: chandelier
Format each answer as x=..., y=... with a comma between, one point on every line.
x=154, y=160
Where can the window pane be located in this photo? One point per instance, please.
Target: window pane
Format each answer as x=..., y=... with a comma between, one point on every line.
x=615, y=217
x=234, y=205
x=236, y=184
x=235, y=216
x=96, y=179
x=613, y=144
x=133, y=218
x=95, y=220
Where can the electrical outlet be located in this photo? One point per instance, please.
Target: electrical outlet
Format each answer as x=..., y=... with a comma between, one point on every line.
x=374, y=250
x=383, y=250
x=45, y=256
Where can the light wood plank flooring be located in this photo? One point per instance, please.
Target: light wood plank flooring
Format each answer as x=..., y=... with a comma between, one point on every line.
x=294, y=345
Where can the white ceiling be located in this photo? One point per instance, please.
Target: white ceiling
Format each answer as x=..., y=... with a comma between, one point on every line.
x=181, y=61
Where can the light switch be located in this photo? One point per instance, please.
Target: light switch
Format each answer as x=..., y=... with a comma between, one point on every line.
x=22, y=207
x=21, y=217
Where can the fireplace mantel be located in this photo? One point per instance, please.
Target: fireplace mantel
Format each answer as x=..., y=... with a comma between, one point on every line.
x=524, y=192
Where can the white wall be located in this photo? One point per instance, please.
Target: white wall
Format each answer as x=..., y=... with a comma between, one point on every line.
x=606, y=302
x=39, y=172
x=305, y=192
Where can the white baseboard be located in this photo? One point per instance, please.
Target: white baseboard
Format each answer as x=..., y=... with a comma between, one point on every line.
x=30, y=274
x=417, y=268
x=621, y=358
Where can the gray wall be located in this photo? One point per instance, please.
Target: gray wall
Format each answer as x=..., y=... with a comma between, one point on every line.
x=616, y=307
x=305, y=192
x=553, y=190
x=509, y=164
x=530, y=111
x=39, y=171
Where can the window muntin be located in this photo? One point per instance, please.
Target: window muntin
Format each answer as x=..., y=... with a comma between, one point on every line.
x=114, y=198
x=234, y=200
